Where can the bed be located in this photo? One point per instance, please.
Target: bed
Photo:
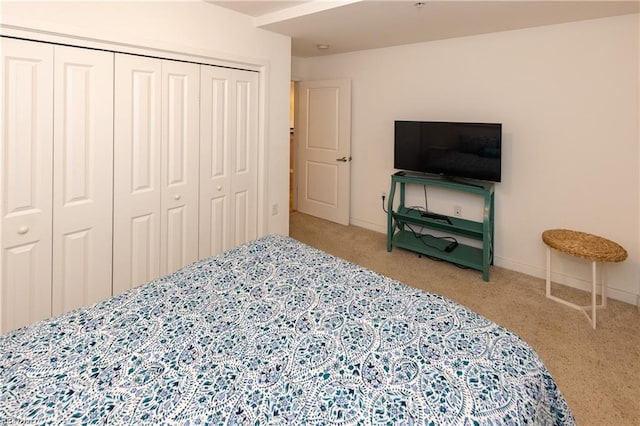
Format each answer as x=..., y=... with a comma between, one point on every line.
x=274, y=332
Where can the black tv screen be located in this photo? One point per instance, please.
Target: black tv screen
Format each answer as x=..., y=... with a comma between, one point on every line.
x=450, y=149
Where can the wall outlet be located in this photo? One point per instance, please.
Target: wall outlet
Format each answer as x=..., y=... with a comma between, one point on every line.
x=457, y=211
x=274, y=209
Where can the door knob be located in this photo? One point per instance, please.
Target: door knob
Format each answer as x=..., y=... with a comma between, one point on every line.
x=343, y=159
x=219, y=188
x=23, y=230
x=176, y=197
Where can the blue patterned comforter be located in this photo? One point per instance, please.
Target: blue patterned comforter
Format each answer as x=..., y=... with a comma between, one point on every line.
x=274, y=332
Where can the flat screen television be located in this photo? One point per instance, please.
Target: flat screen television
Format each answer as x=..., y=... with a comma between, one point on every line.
x=449, y=149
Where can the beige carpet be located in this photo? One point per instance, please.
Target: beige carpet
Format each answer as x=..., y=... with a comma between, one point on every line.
x=598, y=371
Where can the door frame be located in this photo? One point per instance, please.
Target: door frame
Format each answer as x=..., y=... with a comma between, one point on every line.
x=293, y=192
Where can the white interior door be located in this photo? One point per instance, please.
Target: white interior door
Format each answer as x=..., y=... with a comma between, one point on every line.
x=180, y=162
x=324, y=149
x=82, y=177
x=137, y=183
x=228, y=158
x=26, y=141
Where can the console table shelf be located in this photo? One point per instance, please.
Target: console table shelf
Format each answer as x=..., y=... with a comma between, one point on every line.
x=400, y=220
x=458, y=226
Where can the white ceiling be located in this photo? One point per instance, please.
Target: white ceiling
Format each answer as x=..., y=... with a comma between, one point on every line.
x=348, y=26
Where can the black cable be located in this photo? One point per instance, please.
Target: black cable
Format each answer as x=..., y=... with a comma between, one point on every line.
x=421, y=237
x=418, y=235
x=460, y=266
x=446, y=237
x=415, y=209
x=436, y=259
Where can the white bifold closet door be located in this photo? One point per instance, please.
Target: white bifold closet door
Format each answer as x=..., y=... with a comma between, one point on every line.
x=228, y=158
x=116, y=169
x=156, y=168
x=136, y=180
x=82, y=177
x=56, y=180
x=26, y=153
x=179, y=171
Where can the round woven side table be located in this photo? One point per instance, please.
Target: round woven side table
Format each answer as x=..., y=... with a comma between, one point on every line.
x=587, y=246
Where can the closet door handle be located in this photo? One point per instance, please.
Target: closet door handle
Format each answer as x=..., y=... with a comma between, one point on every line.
x=176, y=197
x=23, y=230
x=343, y=159
x=219, y=188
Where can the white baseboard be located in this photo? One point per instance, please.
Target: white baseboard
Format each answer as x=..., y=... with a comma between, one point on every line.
x=568, y=280
x=368, y=225
x=535, y=271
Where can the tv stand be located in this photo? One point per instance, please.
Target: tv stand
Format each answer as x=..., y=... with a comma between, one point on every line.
x=461, y=181
x=400, y=219
x=444, y=178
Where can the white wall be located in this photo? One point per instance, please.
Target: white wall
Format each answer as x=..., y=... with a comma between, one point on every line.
x=567, y=96
x=193, y=28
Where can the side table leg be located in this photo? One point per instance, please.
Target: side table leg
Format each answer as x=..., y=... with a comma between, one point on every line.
x=548, y=272
x=593, y=295
x=603, y=277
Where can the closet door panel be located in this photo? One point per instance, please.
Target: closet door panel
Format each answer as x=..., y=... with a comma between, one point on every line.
x=25, y=183
x=137, y=181
x=82, y=177
x=216, y=135
x=228, y=159
x=180, y=148
x=245, y=157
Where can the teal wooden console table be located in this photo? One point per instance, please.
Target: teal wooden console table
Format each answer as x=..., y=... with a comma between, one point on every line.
x=400, y=220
